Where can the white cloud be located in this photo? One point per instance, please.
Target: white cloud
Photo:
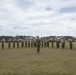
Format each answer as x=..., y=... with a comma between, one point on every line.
x=41, y=17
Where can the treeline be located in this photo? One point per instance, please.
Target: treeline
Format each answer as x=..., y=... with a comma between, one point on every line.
x=16, y=37
x=31, y=37
x=64, y=37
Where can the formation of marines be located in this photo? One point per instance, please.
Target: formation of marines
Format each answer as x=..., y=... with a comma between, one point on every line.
x=37, y=43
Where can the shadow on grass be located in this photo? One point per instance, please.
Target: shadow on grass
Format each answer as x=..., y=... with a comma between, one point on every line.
x=44, y=73
x=10, y=73
x=39, y=73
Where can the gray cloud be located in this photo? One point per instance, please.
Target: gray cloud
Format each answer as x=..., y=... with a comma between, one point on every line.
x=73, y=19
x=70, y=28
x=24, y=4
x=1, y=2
x=68, y=9
x=19, y=27
x=48, y=8
x=66, y=0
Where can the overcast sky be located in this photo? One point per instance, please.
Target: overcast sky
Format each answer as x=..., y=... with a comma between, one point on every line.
x=38, y=17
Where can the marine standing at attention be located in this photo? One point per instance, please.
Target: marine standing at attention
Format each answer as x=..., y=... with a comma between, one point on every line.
x=63, y=43
x=71, y=43
x=2, y=42
x=9, y=43
x=58, y=42
x=38, y=44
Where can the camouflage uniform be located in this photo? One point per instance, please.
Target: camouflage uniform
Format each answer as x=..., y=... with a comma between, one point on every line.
x=71, y=44
x=22, y=43
x=17, y=43
x=48, y=44
x=25, y=43
x=31, y=43
x=38, y=44
x=52, y=44
x=34, y=43
x=13, y=43
x=2, y=42
x=28, y=43
x=42, y=43
x=63, y=43
x=58, y=42
x=9, y=43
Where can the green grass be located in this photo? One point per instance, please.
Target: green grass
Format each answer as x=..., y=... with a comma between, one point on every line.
x=26, y=61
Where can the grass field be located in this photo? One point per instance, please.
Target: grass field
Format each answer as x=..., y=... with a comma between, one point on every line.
x=26, y=61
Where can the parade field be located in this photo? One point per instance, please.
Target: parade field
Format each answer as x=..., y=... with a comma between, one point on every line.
x=26, y=61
